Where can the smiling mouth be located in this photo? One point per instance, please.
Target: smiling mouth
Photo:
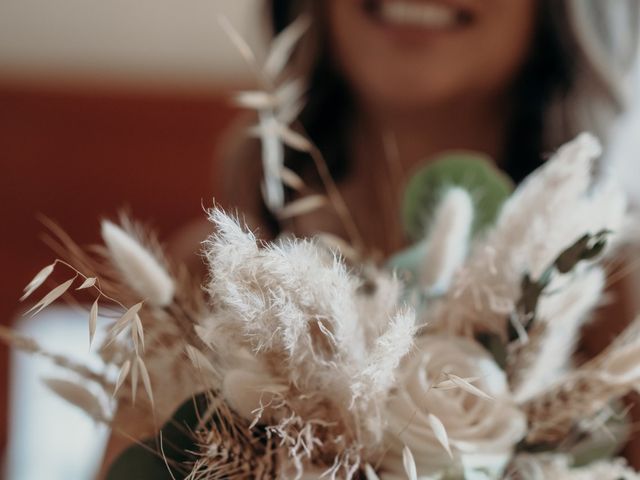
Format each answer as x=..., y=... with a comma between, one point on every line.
x=424, y=14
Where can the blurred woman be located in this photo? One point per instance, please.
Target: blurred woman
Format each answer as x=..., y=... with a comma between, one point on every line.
x=409, y=79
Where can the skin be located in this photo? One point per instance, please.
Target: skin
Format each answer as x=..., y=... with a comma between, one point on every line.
x=419, y=92
x=403, y=68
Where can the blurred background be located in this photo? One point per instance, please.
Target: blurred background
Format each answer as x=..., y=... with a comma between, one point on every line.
x=103, y=105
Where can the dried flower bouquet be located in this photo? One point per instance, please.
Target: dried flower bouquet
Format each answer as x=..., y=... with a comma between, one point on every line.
x=301, y=359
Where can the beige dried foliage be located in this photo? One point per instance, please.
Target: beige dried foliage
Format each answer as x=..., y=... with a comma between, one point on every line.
x=146, y=379
x=409, y=463
x=557, y=466
x=122, y=375
x=93, y=321
x=88, y=283
x=125, y=321
x=298, y=350
x=293, y=306
x=302, y=206
x=200, y=361
x=18, y=341
x=230, y=450
x=134, y=381
x=548, y=212
x=440, y=432
x=467, y=386
x=283, y=45
x=79, y=396
x=448, y=241
x=38, y=280
x=547, y=355
x=26, y=344
x=277, y=104
x=292, y=180
x=584, y=392
x=50, y=297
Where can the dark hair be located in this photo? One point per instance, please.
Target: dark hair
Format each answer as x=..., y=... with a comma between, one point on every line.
x=547, y=75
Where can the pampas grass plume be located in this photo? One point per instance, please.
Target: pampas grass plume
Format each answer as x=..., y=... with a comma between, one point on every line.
x=448, y=240
x=563, y=315
x=138, y=267
x=550, y=210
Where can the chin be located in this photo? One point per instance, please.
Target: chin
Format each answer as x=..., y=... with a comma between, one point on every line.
x=392, y=93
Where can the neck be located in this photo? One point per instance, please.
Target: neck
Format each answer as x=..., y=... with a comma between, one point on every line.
x=409, y=137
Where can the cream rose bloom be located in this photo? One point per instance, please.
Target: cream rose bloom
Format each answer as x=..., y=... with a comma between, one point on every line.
x=481, y=432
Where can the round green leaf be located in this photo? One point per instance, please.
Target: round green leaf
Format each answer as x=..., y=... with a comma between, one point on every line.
x=474, y=172
x=144, y=461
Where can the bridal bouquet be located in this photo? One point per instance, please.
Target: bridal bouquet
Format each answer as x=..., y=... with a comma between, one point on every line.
x=301, y=359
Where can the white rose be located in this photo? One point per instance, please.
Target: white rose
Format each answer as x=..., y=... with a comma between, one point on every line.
x=481, y=432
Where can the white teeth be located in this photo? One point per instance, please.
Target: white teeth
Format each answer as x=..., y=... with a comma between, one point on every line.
x=420, y=14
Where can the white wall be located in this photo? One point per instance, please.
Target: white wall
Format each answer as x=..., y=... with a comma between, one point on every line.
x=164, y=43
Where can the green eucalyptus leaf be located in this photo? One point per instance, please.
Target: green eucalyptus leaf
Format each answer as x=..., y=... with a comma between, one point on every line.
x=474, y=172
x=407, y=262
x=140, y=464
x=495, y=346
x=605, y=442
x=144, y=461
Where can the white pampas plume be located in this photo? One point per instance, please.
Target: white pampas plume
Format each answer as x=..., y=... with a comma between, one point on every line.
x=296, y=307
x=585, y=391
x=448, y=241
x=292, y=298
x=387, y=351
x=138, y=266
x=379, y=301
x=551, y=209
x=563, y=314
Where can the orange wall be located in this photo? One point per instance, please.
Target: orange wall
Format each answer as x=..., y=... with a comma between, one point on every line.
x=77, y=156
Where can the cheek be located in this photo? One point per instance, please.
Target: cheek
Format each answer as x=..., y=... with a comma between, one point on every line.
x=504, y=40
x=371, y=64
x=482, y=59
